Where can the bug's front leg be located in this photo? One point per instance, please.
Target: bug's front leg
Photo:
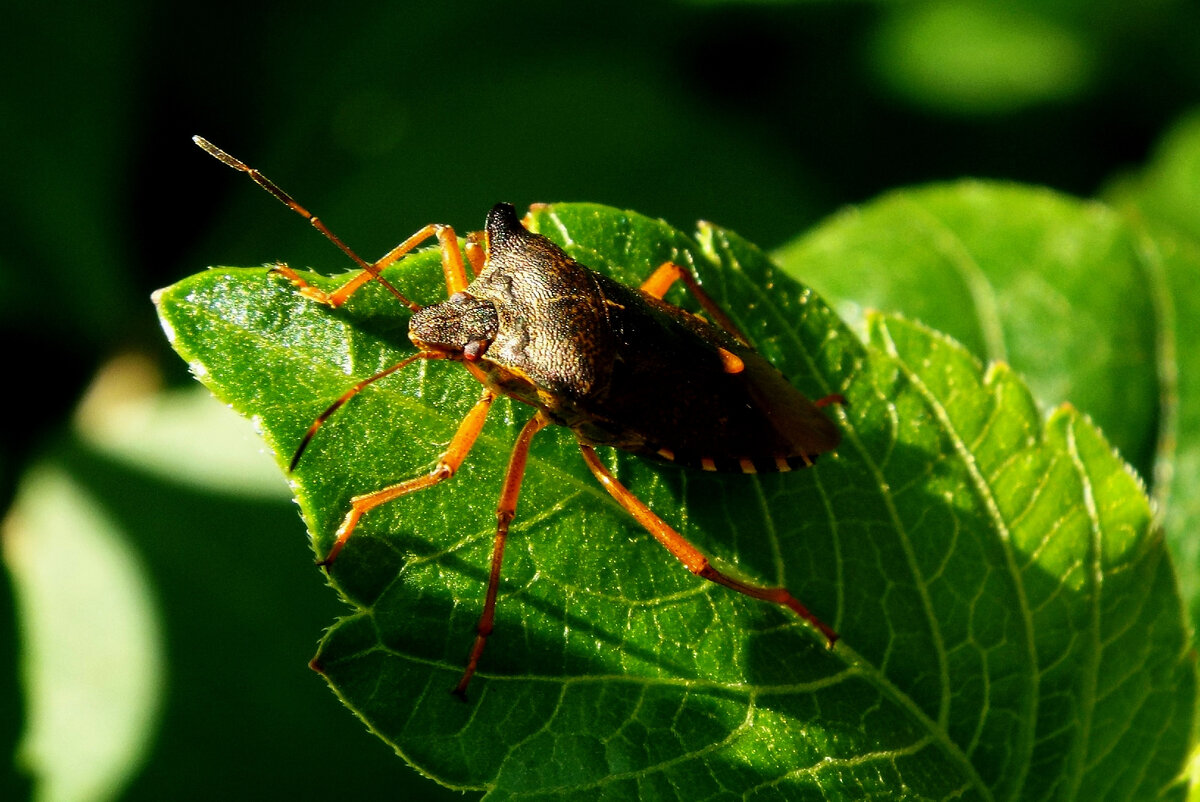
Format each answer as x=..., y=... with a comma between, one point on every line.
x=692, y=558
x=453, y=270
x=452, y=263
x=476, y=251
x=460, y=445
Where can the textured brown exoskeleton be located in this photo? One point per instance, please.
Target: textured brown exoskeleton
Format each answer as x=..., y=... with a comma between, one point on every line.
x=617, y=365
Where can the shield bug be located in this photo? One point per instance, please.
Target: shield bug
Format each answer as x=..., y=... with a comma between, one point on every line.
x=617, y=365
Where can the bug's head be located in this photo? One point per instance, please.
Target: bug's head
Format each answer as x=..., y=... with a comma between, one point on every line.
x=461, y=327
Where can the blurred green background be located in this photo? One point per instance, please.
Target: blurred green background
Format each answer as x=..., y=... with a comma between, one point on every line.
x=155, y=641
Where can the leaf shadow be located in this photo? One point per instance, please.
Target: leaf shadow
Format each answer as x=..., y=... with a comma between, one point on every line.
x=941, y=672
x=783, y=670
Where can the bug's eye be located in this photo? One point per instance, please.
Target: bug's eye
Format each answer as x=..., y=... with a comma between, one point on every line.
x=475, y=349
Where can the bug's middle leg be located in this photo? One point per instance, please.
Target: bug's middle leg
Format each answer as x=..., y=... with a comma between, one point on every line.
x=506, y=510
x=668, y=273
x=460, y=445
x=692, y=558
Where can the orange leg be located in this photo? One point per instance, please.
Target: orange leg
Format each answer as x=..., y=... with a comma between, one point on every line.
x=452, y=268
x=668, y=273
x=476, y=254
x=506, y=510
x=447, y=465
x=688, y=554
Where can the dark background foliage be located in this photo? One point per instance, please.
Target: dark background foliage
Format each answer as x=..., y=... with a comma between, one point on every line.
x=381, y=117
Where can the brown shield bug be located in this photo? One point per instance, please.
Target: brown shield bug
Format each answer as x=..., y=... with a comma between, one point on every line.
x=616, y=365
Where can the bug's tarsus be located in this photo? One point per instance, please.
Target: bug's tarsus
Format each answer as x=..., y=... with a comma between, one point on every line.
x=308, y=436
x=309, y=291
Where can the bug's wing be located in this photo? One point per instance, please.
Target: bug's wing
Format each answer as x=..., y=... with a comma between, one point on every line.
x=795, y=419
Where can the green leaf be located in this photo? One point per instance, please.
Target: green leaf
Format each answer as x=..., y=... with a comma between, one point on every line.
x=1167, y=191
x=1059, y=288
x=1164, y=203
x=1011, y=627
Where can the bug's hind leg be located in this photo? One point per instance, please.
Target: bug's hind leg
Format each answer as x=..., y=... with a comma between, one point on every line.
x=447, y=465
x=689, y=555
x=506, y=510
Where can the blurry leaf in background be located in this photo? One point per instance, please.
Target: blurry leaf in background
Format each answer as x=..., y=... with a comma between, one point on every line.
x=93, y=659
x=1055, y=286
x=179, y=435
x=1163, y=200
x=1167, y=190
x=63, y=222
x=978, y=57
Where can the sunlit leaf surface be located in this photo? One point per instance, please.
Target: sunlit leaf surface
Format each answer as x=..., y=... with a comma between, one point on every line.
x=1010, y=623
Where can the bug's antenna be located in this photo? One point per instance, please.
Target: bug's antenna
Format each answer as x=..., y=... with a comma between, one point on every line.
x=353, y=391
x=290, y=202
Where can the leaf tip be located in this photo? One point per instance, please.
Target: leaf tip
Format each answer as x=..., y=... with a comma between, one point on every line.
x=167, y=327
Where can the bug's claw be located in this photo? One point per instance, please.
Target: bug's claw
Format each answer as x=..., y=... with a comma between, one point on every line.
x=327, y=560
x=832, y=398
